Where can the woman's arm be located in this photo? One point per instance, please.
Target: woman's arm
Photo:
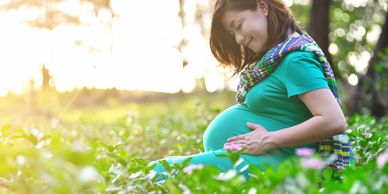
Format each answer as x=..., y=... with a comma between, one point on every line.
x=328, y=120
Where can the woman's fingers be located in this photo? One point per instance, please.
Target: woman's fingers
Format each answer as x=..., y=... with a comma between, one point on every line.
x=254, y=126
x=242, y=143
x=236, y=138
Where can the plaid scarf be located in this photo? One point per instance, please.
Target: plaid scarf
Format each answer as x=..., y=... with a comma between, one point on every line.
x=339, y=145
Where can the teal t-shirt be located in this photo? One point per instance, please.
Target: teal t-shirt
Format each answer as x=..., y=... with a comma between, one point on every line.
x=276, y=96
x=272, y=103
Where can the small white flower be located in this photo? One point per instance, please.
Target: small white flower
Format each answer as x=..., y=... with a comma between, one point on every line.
x=87, y=174
x=21, y=160
x=252, y=191
x=227, y=175
x=37, y=133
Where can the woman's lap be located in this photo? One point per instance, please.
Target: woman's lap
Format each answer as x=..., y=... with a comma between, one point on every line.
x=224, y=164
x=204, y=158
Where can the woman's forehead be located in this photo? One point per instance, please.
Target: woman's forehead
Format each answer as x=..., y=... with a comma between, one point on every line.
x=231, y=16
x=228, y=18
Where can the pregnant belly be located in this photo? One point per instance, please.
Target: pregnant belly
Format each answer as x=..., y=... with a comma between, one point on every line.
x=232, y=122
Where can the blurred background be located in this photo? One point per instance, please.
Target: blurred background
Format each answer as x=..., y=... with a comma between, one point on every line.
x=96, y=52
x=91, y=89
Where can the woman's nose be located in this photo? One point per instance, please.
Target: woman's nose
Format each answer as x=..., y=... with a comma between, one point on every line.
x=239, y=38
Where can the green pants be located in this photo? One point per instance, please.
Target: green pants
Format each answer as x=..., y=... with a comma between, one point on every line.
x=224, y=164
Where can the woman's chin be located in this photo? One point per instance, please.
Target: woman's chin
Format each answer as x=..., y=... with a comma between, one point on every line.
x=255, y=49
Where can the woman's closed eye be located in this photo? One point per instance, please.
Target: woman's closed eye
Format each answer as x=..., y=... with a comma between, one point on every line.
x=239, y=26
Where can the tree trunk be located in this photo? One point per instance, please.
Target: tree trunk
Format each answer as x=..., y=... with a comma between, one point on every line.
x=318, y=28
x=368, y=82
x=46, y=77
x=183, y=42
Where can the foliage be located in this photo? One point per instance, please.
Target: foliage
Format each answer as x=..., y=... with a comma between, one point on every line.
x=355, y=29
x=108, y=149
x=52, y=15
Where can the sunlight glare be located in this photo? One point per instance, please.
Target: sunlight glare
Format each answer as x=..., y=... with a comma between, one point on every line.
x=353, y=79
x=139, y=52
x=289, y=3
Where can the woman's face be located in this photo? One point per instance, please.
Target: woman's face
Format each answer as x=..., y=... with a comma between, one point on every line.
x=249, y=27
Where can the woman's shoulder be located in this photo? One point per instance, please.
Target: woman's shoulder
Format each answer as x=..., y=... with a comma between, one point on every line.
x=300, y=58
x=301, y=72
x=297, y=62
x=295, y=55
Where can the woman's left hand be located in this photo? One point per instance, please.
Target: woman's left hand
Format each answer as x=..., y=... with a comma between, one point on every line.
x=257, y=141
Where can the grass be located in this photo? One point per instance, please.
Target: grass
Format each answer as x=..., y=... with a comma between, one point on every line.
x=63, y=143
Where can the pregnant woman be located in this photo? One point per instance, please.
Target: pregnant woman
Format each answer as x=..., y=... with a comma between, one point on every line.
x=287, y=97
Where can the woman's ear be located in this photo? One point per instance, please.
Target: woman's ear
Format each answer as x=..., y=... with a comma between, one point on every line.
x=262, y=6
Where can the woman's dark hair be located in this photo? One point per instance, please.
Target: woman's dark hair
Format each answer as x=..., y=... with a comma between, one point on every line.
x=223, y=45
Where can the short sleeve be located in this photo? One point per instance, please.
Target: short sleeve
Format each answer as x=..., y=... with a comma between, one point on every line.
x=304, y=73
